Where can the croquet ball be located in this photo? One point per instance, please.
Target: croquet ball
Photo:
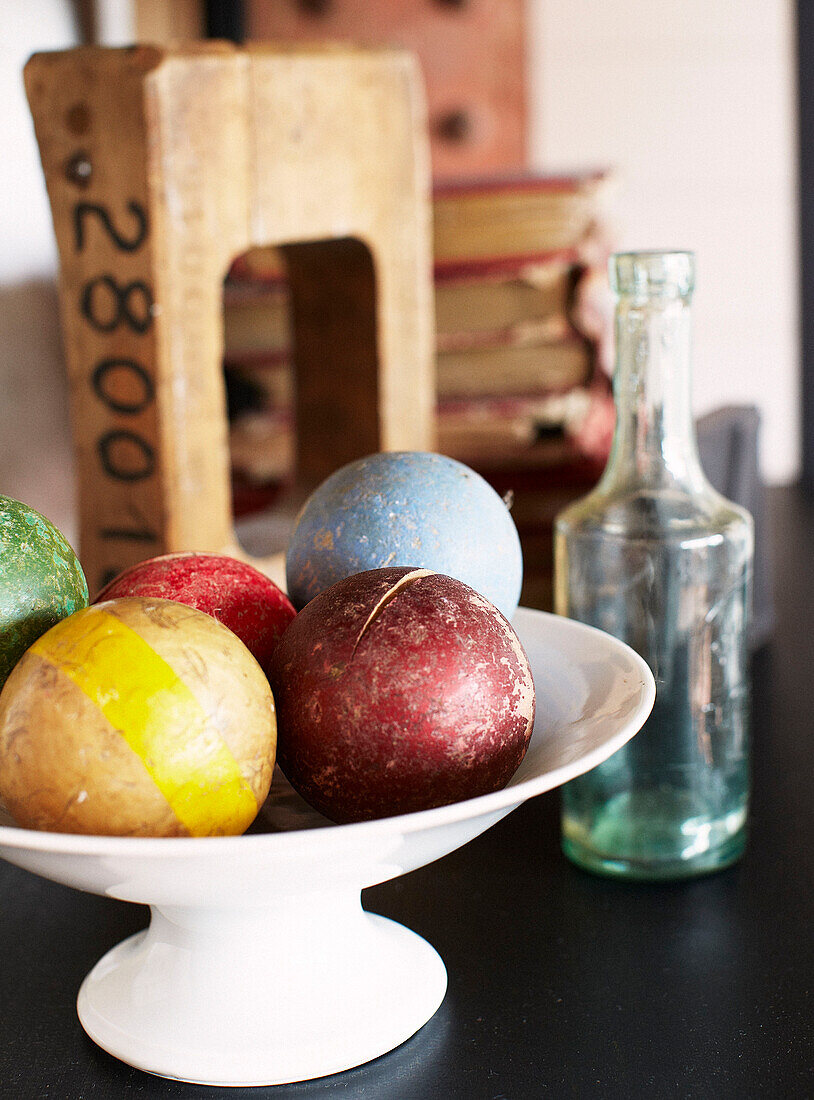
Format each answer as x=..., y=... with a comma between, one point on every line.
x=41, y=580
x=137, y=717
x=411, y=508
x=400, y=690
x=233, y=592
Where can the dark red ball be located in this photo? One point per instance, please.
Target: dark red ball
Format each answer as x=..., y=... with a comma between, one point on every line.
x=399, y=690
x=231, y=591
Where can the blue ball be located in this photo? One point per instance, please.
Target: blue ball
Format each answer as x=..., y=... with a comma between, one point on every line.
x=409, y=508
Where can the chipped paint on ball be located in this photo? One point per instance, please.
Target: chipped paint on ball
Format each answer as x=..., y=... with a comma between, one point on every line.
x=399, y=690
x=41, y=580
x=231, y=591
x=406, y=508
x=137, y=717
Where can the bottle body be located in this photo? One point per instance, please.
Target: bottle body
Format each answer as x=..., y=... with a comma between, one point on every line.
x=656, y=557
x=673, y=802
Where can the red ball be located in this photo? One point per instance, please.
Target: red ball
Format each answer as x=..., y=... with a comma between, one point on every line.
x=234, y=593
x=399, y=690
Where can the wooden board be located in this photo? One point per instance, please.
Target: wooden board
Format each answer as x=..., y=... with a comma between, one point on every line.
x=473, y=57
x=163, y=165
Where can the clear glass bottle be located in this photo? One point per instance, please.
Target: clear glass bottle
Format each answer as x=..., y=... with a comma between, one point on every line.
x=655, y=556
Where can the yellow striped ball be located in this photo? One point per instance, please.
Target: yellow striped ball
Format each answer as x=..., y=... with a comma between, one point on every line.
x=137, y=717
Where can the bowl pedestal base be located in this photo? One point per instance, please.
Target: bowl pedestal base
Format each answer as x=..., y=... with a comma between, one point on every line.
x=261, y=996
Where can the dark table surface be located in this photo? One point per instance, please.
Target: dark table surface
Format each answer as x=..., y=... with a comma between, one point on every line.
x=560, y=984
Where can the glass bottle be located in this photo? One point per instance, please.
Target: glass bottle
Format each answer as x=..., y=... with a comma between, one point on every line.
x=655, y=556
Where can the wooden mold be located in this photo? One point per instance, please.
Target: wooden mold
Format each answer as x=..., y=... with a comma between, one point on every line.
x=162, y=166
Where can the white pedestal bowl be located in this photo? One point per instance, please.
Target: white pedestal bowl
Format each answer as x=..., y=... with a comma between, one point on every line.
x=259, y=965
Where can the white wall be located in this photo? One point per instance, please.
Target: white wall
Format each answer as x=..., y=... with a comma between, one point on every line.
x=35, y=453
x=694, y=102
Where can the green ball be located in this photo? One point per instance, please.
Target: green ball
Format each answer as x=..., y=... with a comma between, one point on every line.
x=41, y=580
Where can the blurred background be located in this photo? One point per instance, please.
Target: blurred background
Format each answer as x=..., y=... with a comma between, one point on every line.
x=691, y=105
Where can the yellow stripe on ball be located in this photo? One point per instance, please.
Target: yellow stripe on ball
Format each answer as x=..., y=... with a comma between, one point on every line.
x=160, y=719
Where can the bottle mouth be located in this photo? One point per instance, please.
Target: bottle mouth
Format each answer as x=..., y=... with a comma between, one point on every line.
x=653, y=274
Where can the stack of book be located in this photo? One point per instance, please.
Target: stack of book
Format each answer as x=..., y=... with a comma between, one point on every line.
x=522, y=336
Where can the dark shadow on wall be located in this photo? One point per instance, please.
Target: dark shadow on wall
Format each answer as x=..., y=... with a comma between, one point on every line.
x=805, y=123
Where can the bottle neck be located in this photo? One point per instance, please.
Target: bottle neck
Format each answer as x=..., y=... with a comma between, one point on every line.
x=654, y=443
